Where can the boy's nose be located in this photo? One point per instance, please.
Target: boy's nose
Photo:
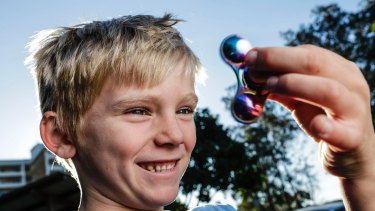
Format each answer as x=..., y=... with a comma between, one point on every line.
x=170, y=131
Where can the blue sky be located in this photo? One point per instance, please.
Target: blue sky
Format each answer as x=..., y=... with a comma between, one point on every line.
x=207, y=23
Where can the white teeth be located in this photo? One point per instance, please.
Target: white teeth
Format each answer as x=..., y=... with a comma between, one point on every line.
x=158, y=167
x=150, y=168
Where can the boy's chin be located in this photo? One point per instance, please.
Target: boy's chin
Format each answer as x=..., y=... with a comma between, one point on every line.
x=161, y=199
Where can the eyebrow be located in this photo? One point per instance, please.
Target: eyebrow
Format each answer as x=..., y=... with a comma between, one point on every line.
x=192, y=97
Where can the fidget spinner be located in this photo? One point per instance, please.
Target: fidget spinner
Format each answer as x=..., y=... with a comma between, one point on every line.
x=247, y=105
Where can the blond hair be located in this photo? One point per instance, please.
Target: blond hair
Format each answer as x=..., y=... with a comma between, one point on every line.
x=71, y=64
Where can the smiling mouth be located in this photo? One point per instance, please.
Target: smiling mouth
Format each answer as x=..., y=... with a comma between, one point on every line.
x=158, y=166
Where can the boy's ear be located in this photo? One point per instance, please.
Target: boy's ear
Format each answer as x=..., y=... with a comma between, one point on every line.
x=56, y=141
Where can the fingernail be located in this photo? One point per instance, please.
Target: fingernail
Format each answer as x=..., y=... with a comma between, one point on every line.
x=251, y=58
x=272, y=83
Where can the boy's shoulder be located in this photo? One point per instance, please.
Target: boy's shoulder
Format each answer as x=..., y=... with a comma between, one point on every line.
x=218, y=207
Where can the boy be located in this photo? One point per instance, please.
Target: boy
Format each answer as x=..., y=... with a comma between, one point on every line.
x=118, y=98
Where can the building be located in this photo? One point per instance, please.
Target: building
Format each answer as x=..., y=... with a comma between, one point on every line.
x=36, y=184
x=17, y=173
x=12, y=175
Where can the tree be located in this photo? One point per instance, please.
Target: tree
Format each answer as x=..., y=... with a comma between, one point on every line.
x=276, y=178
x=350, y=34
x=281, y=179
x=214, y=159
x=251, y=163
x=256, y=163
x=213, y=162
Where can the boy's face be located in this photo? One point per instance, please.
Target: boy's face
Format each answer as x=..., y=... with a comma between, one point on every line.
x=136, y=143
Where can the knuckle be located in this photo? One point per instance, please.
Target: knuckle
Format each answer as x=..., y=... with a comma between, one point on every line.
x=364, y=89
x=308, y=46
x=332, y=92
x=359, y=83
x=353, y=65
x=313, y=61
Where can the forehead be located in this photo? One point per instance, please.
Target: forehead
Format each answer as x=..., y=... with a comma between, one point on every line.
x=177, y=79
x=148, y=76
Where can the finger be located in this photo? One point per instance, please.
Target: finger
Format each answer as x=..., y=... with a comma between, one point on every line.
x=341, y=135
x=302, y=112
x=314, y=90
x=287, y=102
x=305, y=59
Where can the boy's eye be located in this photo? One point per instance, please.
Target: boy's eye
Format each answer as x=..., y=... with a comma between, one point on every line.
x=137, y=111
x=185, y=110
